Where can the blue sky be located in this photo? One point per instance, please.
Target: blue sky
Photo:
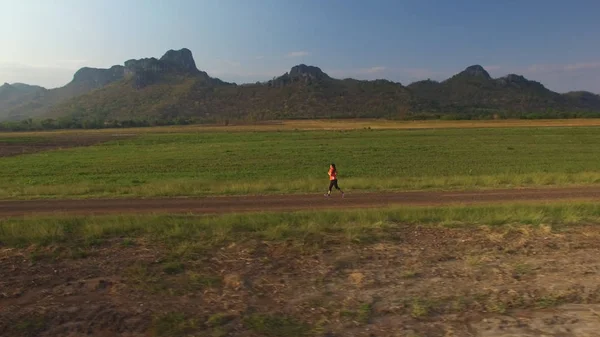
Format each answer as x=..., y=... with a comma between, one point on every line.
x=554, y=42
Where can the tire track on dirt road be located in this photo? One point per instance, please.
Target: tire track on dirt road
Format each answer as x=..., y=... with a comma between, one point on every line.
x=260, y=203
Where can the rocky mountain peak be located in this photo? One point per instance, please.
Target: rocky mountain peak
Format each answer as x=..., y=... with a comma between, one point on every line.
x=97, y=77
x=304, y=71
x=300, y=73
x=181, y=59
x=518, y=81
x=476, y=71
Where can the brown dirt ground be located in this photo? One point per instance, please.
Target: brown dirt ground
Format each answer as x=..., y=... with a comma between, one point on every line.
x=335, y=124
x=412, y=281
x=291, y=202
x=52, y=142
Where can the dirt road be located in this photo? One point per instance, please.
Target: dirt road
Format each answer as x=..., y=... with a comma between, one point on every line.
x=231, y=204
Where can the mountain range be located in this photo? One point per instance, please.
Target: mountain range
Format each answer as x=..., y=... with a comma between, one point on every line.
x=172, y=88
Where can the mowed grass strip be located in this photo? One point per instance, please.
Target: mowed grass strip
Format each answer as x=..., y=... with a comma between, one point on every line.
x=218, y=163
x=354, y=225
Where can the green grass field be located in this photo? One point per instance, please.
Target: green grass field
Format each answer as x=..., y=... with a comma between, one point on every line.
x=354, y=225
x=299, y=273
x=213, y=163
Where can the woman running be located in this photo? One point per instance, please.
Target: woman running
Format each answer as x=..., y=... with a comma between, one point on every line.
x=333, y=180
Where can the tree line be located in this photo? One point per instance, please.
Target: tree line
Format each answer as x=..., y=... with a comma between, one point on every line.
x=90, y=123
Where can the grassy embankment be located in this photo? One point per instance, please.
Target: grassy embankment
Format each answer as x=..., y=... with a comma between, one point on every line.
x=355, y=225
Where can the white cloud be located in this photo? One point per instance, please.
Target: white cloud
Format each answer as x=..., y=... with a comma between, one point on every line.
x=357, y=72
x=418, y=74
x=47, y=76
x=56, y=65
x=372, y=70
x=232, y=63
x=297, y=54
x=12, y=65
x=73, y=63
x=395, y=74
x=242, y=76
x=546, y=68
x=492, y=67
x=579, y=66
x=260, y=57
x=542, y=68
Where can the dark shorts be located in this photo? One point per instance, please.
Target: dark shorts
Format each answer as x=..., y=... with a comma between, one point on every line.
x=333, y=183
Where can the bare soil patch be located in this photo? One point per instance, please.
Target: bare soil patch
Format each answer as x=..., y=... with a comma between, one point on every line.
x=14, y=146
x=418, y=281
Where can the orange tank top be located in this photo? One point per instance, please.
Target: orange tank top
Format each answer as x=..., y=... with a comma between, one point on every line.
x=332, y=174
